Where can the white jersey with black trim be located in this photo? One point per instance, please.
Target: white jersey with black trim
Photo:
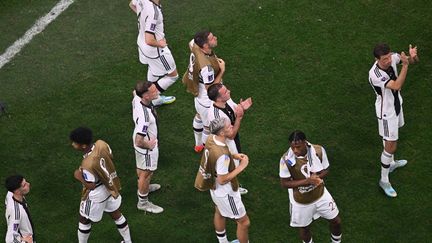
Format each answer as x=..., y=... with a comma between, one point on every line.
x=388, y=102
x=206, y=77
x=215, y=112
x=18, y=220
x=150, y=20
x=145, y=121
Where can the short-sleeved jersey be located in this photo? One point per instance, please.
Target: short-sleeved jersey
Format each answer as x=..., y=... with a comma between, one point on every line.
x=228, y=113
x=18, y=219
x=218, y=161
x=299, y=168
x=145, y=119
x=388, y=102
x=150, y=20
x=202, y=70
x=98, y=168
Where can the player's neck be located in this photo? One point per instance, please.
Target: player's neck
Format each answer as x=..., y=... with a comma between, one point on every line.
x=220, y=104
x=206, y=51
x=18, y=197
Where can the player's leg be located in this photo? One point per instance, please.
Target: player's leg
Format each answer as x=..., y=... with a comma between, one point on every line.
x=219, y=224
x=146, y=165
x=336, y=230
x=198, y=127
x=113, y=208
x=305, y=234
x=90, y=212
x=84, y=229
x=243, y=224
x=389, y=131
x=401, y=162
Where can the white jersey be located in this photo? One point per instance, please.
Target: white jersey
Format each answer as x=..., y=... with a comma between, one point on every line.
x=228, y=113
x=388, y=102
x=145, y=120
x=222, y=166
x=206, y=77
x=18, y=220
x=150, y=20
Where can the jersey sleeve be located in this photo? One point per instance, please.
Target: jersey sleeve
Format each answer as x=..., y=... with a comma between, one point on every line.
x=207, y=74
x=222, y=164
x=396, y=58
x=151, y=19
x=142, y=124
x=232, y=104
x=88, y=177
x=378, y=78
x=283, y=167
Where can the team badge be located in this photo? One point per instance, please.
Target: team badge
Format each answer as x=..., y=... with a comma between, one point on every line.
x=15, y=227
x=211, y=78
x=383, y=79
x=144, y=130
x=152, y=27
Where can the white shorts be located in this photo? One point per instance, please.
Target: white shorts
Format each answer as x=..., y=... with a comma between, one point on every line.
x=159, y=66
x=94, y=210
x=389, y=128
x=203, y=110
x=303, y=214
x=147, y=161
x=230, y=206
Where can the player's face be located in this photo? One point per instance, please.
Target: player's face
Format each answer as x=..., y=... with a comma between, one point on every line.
x=212, y=40
x=228, y=128
x=78, y=146
x=224, y=93
x=299, y=148
x=25, y=187
x=385, y=61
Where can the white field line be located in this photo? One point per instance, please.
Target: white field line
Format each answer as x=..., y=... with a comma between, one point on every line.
x=38, y=27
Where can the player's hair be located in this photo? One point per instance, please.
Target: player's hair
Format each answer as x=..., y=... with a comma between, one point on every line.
x=141, y=87
x=82, y=135
x=217, y=125
x=213, y=91
x=13, y=182
x=201, y=37
x=297, y=136
x=381, y=50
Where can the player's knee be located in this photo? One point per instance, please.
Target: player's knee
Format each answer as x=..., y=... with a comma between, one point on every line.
x=244, y=222
x=336, y=221
x=173, y=74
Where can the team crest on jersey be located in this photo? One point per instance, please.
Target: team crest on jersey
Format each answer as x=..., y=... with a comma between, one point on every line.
x=211, y=78
x=152, y=27
x=383, y=79
x=145, y=128
x=15, y=227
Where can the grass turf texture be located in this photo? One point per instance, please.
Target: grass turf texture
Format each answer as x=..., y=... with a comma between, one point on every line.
x=304, y=63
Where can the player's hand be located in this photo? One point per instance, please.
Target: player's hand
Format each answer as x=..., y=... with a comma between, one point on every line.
x=162, y=43
x=27, y=238
x=240, y=156
x=239, y=112
x=221, y=64
x=315, y=180
x=413, y=52
x=152, y=143
x=244, y=161
x=246, y=104
x=404, y=59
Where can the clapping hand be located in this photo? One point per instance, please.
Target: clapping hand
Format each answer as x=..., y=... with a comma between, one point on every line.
x=413, y=52
x=246, y=103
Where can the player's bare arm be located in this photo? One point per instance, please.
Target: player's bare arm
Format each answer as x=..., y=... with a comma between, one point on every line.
x=78, y=174
x=239, y=112
x=398, y=83
x=27, y=239
x=322, y=174
x=141, y=142
x=133, y=7
x=218, y=78
x=150, y=39
x=223, y=179
x=290, y=183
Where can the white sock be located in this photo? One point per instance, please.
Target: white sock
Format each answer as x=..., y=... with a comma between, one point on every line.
x=386, y=159
x=123, y=229
x=165, y=82
x=205, y=134
x=336, y=238
x=222, y=237
x=142, y=198
x=83, y=232
x=198, y=129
